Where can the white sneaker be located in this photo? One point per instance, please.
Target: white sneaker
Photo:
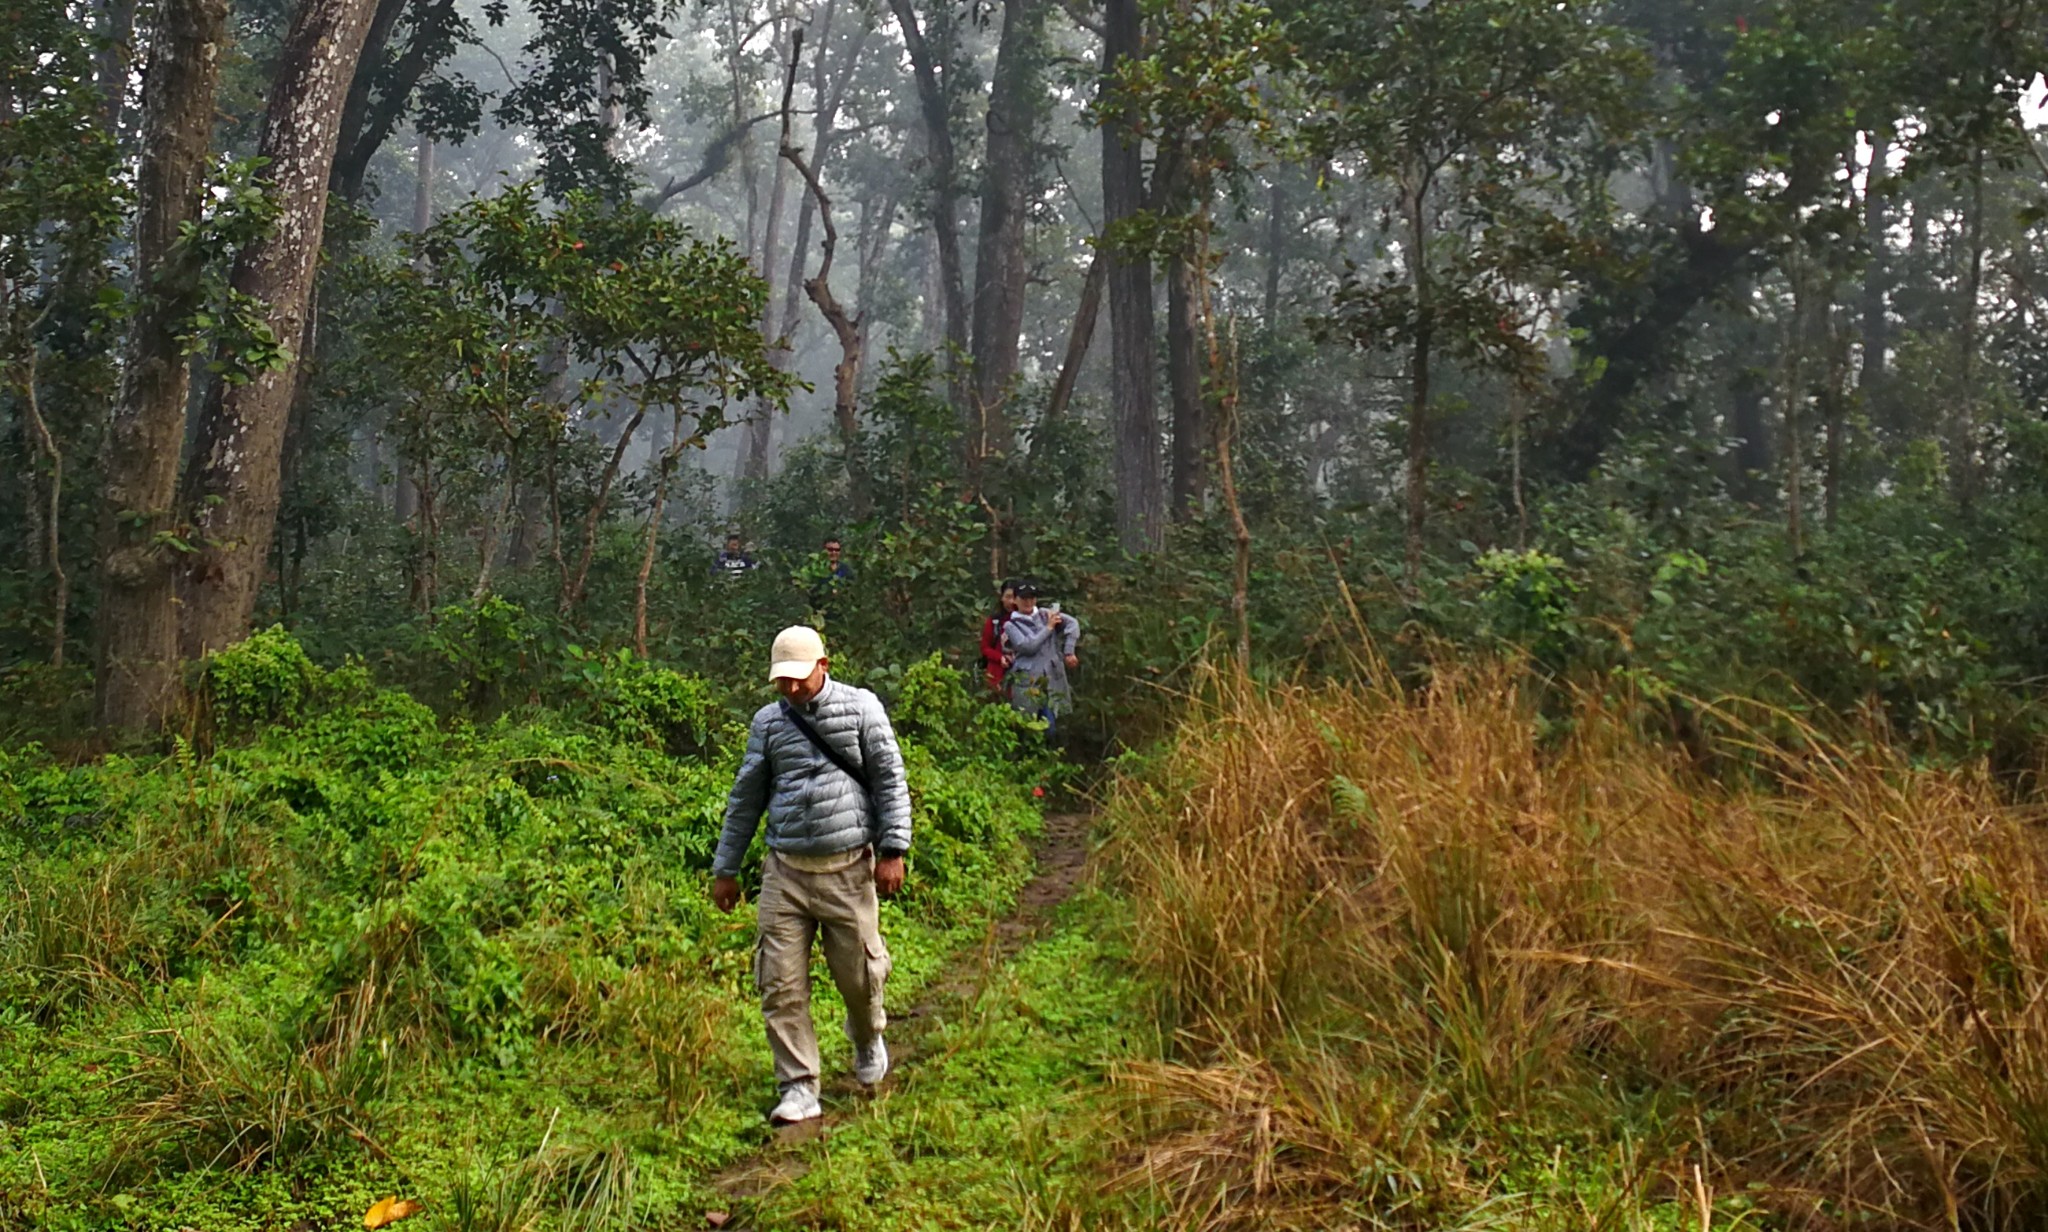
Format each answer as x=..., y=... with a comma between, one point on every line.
x=871, y=1064
x=799, y=1103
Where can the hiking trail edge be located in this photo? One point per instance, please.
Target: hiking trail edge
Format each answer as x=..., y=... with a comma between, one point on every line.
x=1061, y=854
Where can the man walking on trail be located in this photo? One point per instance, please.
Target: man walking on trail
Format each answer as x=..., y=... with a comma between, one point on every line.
x=823, y=764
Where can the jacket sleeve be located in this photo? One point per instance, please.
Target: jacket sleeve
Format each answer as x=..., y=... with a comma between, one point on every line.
x=883, y=762
x=1070, y=633
x=748, y=800
x=1026, y=641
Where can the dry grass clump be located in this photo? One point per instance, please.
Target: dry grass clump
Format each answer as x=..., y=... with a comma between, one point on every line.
x=1824, y=985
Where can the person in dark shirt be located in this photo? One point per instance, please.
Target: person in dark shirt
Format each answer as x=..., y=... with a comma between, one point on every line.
x=734, y=560
x=836, y=568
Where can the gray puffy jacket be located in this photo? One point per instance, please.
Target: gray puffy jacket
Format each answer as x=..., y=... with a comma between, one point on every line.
x=814, y=808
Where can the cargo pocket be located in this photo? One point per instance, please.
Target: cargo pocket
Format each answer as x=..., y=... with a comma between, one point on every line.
x=878, y=967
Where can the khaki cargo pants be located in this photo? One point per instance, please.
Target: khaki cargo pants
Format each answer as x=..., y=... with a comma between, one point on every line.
x=840, y=905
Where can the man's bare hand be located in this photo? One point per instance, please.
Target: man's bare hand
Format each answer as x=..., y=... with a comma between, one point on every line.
x=888, y=875
x=1073, y=660
x=725, y=893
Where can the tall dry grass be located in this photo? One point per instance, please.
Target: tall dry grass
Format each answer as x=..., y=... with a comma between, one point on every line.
x=1407, y=936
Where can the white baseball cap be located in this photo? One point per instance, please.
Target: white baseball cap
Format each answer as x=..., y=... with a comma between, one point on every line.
x=796, y=653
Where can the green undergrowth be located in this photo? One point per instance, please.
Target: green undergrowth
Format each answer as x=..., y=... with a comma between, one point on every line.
x=360, y=946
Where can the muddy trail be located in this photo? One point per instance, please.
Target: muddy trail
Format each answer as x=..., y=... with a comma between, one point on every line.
x=1061, y=855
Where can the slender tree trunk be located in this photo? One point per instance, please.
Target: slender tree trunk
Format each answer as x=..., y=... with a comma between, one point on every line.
x=945, y=189
x=423, y=186
x=234, y=491
x=667, y=465
x=495, y=529
x=1184, y=383
x=1834, y=405
x=1791, y=399
x=1965, y=449
x=1876, y=278
x=1078, y=340
x=1276, y=249
x=1518, y=403
x=111, y=63
x=137, y=623
x=761, y=423
x=850, y=330
x=1752, y=439
x=1140, y=520
x=1225, y=381
x=1016, y=97
x=52, y=519
x=1416, y=204
x=879, y=222
x=572, y=589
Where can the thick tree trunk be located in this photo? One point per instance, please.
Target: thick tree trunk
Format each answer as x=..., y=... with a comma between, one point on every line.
x=233, y=492
x=943, y=169
x=137, y=619
x=1140, y=520
x=1015, y=99
x=1184, y=382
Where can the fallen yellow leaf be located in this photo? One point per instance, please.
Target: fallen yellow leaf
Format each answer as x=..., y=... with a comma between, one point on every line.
x=389, y=1211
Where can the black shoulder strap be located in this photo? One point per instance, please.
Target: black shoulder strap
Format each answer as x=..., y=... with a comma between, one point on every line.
x=819, y=743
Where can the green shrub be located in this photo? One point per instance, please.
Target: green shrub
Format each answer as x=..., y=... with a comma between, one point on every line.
x=266, y=679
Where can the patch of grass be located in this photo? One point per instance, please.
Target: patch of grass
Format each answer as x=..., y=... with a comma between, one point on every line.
x=374, y=950
x=1427, y=961
x=1000, y=1120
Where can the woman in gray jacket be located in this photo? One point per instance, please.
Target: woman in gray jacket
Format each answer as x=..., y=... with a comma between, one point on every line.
x=1040, y=645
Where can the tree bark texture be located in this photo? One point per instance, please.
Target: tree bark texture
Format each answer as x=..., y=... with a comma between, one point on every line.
x=1015, y=99
x=1134, y=390
x=233, y=493
x=1184, y=383
x=137, y=681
